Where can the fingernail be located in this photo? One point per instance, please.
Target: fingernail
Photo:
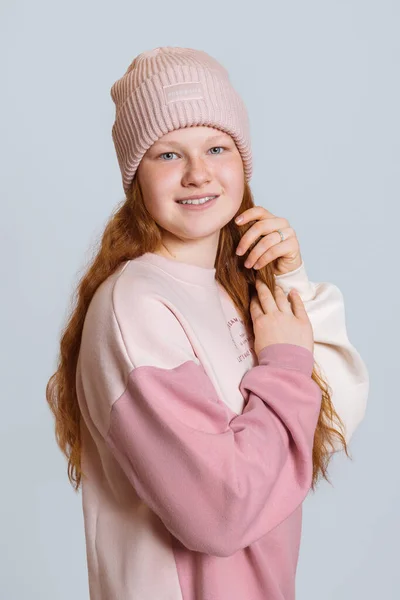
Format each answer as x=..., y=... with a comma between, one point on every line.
x=238, y=219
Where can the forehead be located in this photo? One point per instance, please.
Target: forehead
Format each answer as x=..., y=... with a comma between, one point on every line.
x=195, y=134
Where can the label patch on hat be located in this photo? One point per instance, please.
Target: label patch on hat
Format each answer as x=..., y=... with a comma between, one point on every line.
x=192, y=90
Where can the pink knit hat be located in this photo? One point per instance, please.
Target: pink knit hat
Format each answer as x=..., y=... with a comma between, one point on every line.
x=168, y=88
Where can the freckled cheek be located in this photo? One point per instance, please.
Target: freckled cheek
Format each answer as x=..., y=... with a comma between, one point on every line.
x=233, y=187
x=166, y=176
x=232, y=172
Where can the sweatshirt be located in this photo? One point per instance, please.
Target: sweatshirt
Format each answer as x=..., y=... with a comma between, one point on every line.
x=196, y=453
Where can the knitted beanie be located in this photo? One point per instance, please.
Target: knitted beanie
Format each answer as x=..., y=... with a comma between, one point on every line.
x=169, y=88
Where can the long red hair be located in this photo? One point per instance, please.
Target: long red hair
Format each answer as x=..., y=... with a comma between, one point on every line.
x=130, y=232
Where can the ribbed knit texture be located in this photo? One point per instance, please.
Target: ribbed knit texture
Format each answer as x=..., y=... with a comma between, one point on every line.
x=168, y=88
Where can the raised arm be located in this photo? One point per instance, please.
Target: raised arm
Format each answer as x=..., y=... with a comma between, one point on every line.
x=217, y=480
x=339, y=361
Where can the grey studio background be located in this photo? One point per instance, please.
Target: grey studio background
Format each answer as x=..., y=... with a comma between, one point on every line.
x=321, y=83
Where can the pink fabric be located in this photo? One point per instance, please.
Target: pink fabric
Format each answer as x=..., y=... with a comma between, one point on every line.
x=196, y=455
x=218, y=481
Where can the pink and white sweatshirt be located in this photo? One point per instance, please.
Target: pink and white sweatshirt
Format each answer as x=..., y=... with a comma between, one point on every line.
x=197, y=456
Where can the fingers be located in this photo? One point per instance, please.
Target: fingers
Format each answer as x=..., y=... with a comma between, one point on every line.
x=291, y=303
x=268, y=302
x=298, y=307
x=255, y=308
x=265, y=296
x=282, y=302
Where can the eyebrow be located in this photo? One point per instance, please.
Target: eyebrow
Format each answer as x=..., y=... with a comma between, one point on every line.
x=176, y=142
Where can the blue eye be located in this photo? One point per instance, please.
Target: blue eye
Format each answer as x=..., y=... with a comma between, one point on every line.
x=213, y=148
x=218, y=147
x=164, y=153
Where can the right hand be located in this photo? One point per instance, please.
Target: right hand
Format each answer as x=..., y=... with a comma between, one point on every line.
x=280, y=321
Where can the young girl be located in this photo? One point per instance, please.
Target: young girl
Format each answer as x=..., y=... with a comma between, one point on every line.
x=200, y=392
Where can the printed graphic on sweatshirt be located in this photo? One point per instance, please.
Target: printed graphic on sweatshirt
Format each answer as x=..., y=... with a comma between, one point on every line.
x=243, y=342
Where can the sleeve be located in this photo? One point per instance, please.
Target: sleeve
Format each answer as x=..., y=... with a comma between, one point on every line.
x=338, y=360
x=217, y=480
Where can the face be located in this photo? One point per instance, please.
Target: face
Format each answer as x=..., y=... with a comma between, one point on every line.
x=188, y=162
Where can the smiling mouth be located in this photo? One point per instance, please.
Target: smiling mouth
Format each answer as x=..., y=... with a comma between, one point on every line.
x=198, y=201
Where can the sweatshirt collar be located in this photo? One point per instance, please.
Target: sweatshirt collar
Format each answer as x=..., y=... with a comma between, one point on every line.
x=181, y=270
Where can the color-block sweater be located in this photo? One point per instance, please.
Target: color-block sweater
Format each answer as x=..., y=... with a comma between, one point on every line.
x=197, y=455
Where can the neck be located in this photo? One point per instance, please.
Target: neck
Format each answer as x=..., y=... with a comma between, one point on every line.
x=202, y=253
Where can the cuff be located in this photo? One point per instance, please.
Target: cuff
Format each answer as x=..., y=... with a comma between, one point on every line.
x=297, y=279
x=289, y=356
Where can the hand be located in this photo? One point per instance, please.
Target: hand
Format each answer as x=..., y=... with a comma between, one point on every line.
x=279, y=320
x=285, y=255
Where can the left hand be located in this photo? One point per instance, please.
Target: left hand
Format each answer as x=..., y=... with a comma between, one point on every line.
x=285, y=255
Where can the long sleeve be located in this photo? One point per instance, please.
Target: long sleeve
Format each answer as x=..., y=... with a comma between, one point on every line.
x=217, y=480
x=339, y=361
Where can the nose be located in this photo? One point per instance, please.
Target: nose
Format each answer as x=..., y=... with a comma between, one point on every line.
x=196, y=172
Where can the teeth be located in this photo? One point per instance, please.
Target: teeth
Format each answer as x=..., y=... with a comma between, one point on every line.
x=200, y=201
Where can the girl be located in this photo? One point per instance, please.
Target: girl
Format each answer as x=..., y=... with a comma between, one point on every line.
x=204, y=382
